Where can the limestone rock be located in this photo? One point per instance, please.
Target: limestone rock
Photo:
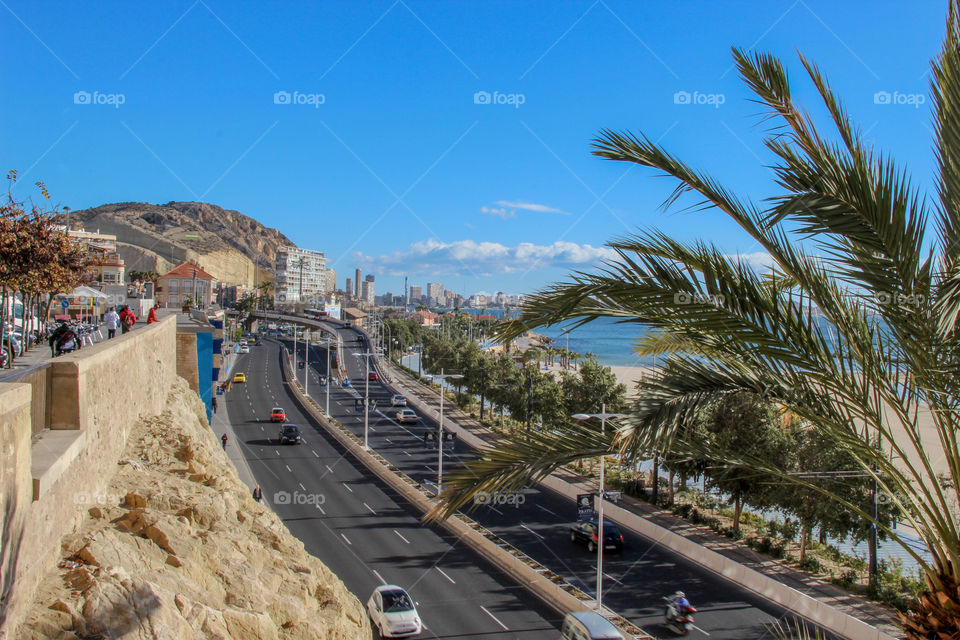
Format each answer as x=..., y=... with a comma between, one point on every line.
x=183, y=559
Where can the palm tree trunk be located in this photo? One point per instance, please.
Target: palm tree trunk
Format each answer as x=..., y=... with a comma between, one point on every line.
x=737, y=511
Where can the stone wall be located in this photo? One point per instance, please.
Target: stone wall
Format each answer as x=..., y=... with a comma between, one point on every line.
x=96, y=394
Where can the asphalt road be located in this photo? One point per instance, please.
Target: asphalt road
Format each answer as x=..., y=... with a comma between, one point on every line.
x=635, y=581
x=361, y=530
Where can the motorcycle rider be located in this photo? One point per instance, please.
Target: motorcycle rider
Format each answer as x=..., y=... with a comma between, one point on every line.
x=680, y=604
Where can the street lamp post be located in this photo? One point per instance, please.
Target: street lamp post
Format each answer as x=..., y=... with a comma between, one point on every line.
x=366, y=398
x=306, y=361
x=326, y=343
x=443, y=380
x=604, y=416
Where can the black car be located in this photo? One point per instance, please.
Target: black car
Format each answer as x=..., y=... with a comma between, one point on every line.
x=586, y=533
x=290, y=434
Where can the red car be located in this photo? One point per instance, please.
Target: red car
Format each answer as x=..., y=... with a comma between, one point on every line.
x=373, y=376
x=277, y=414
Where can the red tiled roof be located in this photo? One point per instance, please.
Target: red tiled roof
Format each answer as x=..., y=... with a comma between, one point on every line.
x=186, y=269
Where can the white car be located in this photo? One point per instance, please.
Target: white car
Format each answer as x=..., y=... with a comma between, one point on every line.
x=398, y=401
x=243, y=349
x=393, y=612
x=406, y=415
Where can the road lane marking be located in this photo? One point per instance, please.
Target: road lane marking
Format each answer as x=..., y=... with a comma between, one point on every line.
x=407, y=453
x=369, y=509
x=347, y=487
x=301, y=486
x=314, y=453
x=505, y=627
x=288, y=468
x=379, y=577
x=547, y=510
x=389, y=440
x=532, y=531
x=346, y=539
x=429, y=468
x=452, y=581
x=401, y=536
x=321, y=510
x=607, y=575
x=495, y=509
x=328, y=468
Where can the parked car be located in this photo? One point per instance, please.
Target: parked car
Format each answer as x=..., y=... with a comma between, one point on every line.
x=347, y=324
x=290, y=434
x=393, y=612
x=585, y=533
x=406, y=415
x=373, y=375
x=398, y=401
x=277, y=414
x=239, y=377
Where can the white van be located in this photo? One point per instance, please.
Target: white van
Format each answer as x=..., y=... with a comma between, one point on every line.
x=588, y=625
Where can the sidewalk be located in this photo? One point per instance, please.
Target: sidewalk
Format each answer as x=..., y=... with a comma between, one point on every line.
x=810, y=585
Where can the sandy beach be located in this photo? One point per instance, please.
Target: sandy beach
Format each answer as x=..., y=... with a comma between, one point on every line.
x=628, y=376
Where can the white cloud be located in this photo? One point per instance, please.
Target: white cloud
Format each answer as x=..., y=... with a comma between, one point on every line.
x=761, y=261
x=499, y=212
x=468, y=257
x=506, y=209
x=530, y=206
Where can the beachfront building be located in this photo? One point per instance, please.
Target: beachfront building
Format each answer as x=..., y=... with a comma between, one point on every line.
x=301, y=277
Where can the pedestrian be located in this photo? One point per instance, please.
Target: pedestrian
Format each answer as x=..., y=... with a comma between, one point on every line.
x=214, y=403
x=152, y=316
x=257, y=494
x=127, y=319
x=223, y=439
x=112, y=321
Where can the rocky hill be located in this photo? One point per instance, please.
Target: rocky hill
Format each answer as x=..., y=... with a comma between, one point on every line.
x=151, y=237
x=178, y=550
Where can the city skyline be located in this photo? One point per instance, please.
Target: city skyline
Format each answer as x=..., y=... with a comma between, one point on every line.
x=464, y=154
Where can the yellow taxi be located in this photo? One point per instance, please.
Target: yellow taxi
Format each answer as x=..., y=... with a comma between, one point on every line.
x=240, y=377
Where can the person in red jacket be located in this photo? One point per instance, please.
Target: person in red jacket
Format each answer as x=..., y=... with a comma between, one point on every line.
x=152, y=316
x=127, y=319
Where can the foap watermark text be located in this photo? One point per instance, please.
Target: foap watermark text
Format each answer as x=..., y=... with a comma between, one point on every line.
x=715, y=299
x=499, y=499
x=110, y=99
x=511, y=99
x=699, y=99
x=309, y=99
x=297, y=497
x=900, y=99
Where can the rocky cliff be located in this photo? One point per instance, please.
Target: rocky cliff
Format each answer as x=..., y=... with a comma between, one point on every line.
x=228, y=244
x=178, y=549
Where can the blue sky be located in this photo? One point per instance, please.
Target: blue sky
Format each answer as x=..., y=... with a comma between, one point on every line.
x=444, y=140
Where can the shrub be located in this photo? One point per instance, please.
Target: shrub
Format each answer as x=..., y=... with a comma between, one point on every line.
x=683, y=510
x=789, y=530
x=765, y=545
x=811, y=564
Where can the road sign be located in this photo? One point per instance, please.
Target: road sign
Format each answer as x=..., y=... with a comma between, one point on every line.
x=64, y=303
x=584, y=507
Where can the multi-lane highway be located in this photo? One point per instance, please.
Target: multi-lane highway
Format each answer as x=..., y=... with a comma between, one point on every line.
x=636, y=580
x=360, y=529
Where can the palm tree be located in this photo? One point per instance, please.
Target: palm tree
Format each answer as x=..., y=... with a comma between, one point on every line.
x=854, y=330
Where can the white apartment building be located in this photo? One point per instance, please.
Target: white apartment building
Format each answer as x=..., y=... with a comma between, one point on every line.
x=301, y=276
x=434, y=293
x=367, y=290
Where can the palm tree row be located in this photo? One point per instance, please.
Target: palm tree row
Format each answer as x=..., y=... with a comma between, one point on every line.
x=853, y=331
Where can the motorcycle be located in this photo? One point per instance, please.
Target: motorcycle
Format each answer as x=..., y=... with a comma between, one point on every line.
x=64, y=339
x=680, y=622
